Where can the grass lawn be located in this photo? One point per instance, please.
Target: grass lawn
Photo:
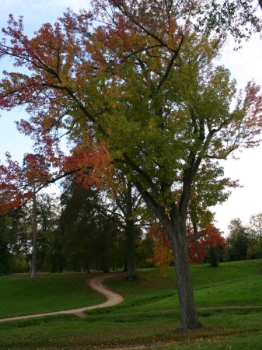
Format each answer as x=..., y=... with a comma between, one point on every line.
x=148, y=316
x=20, y=295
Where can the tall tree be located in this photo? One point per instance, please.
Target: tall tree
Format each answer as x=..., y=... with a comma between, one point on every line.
x=90, y=233
x=36, y=171
x=5, y=254
x=255, y=235
x=143, y=82
x=127, y=203
x=238, y=240
x=18, y=237
x=48, y=212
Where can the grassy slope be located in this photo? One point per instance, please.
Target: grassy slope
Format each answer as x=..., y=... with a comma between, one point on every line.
x=231, y=284
x=147, y=316
x=20, y=295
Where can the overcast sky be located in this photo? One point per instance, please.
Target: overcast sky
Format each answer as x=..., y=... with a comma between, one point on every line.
x=244, y=65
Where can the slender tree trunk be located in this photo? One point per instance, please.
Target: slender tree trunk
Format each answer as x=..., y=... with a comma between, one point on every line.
x=33, y=273
x=130, y=234
x=131, y=261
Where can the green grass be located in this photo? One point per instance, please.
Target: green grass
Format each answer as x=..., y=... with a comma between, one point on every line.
x=20, y=295
x=244, y=341
x=231, y=284
x=148, y=316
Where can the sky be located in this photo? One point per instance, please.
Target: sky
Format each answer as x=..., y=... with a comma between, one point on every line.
x=244, y=65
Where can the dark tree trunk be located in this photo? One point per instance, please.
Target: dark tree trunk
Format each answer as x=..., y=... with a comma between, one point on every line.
x=130, y=235
x=105, y=269
x=175, y=227
x=125, y=267
x=188, y=314
x=131, y=260
x=33, y=273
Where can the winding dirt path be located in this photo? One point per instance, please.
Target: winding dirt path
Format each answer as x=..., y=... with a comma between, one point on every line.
x=96, y=284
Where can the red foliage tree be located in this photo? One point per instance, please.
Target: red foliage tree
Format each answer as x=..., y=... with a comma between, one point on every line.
x=197, y=250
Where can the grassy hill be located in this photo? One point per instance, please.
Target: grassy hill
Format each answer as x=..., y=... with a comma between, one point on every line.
x=227, y=298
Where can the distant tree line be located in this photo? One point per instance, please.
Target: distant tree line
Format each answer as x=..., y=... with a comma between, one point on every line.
x=85, y=230
x=244, y=241
x=90, y=229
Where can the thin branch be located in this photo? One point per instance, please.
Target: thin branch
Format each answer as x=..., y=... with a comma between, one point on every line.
x=170, y=65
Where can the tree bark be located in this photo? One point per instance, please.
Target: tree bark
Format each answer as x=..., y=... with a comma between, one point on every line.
x=130, y=231
x=188, y=314
x=131, y=260
x=33, y=272
x=175, y=227
x=125, y=267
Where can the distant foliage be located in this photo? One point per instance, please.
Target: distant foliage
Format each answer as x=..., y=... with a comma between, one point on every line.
x=245, y=242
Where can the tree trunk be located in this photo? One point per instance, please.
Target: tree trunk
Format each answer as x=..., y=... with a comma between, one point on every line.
x=131, y=261
x=33, y=273
x=125, y=267
x=188, y=314
x=130, y=234
x=105, y=269
x=175, y=227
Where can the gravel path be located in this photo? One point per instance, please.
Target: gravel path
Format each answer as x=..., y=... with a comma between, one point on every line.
x=96, y=284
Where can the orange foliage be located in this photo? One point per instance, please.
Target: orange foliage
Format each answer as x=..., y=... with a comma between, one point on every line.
x=17, y=183
x=93, y=165
x=90, y=166
x=197, y=250
x=162, y=249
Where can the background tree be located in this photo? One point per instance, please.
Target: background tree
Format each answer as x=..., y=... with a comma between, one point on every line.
x=48, y=212
x=37, y=174
x=244, y=241
x=255, y=235
x=149, y=90
x=127, y=204
x=16, y=232
x=237, y=241
x=5, y=254
x=91, y=235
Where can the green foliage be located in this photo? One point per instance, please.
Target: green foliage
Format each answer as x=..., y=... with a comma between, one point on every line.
x=237, y=240
x=19, y=263
x=244, y=242
x=214, y=255
x=48, y=212
x=16, y=234
x=5, y=255
x=91, y=237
